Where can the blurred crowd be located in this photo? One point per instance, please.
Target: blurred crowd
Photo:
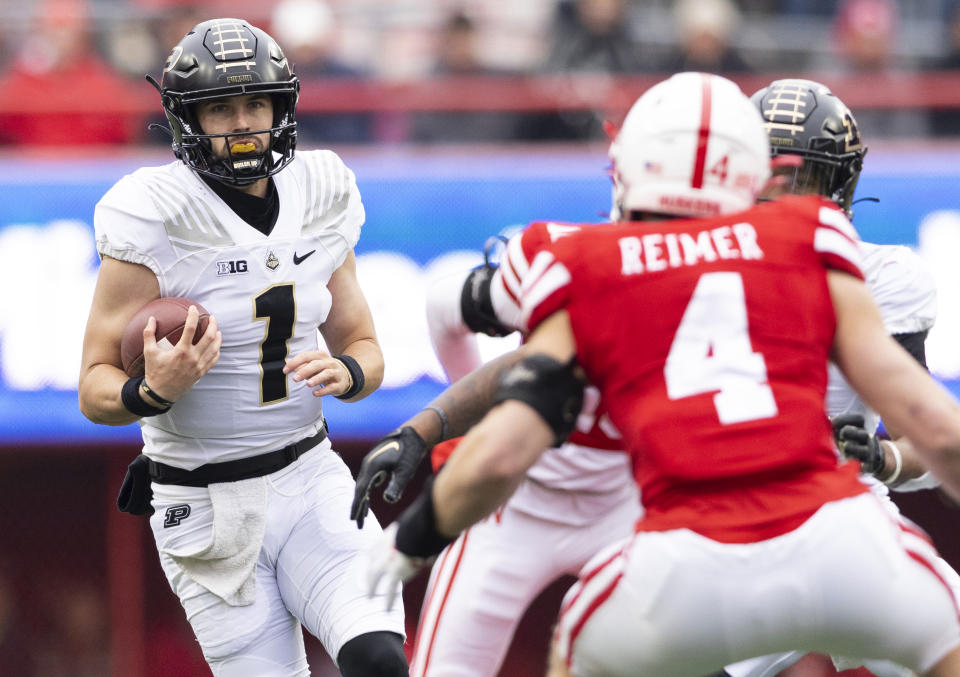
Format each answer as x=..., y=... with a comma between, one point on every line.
x=71, y=71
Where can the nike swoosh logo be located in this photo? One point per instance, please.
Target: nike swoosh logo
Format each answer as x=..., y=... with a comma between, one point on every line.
x=389, y=446
x=297, y=260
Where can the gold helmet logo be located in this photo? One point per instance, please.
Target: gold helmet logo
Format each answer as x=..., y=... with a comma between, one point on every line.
x=852, y=138
x=173, y=58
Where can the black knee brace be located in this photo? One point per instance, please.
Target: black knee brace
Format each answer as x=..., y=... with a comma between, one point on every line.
x=374, y=654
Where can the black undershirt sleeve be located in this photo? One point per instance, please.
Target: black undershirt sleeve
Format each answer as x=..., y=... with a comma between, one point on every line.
x=913, y=343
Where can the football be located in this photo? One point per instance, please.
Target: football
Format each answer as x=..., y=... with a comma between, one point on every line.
x=171, y=314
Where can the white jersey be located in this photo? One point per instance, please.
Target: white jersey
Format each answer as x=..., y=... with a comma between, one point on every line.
x=907, y=298
x=268, y=293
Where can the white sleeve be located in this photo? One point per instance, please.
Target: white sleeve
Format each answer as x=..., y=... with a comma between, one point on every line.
x=128, y=226
x=455, y=345
x=904, y=290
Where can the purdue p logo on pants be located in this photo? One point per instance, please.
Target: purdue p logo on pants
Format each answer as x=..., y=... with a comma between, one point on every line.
x=176, y=514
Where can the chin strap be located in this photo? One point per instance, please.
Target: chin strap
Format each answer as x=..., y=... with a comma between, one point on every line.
x=861, y=199
x=163, y=128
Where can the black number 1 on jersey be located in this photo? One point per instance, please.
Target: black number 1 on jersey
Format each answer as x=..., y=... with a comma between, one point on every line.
x=276, y=306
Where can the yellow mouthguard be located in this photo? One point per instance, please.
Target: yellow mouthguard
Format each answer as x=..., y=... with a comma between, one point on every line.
x=245, y=147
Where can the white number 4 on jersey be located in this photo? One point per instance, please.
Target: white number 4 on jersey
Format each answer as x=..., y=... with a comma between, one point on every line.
x=711, y=351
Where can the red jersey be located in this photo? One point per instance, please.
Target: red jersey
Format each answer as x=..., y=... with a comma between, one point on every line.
x=709, y=341
x=594, y=429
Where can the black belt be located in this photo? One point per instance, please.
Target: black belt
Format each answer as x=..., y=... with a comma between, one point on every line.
x=232, y=471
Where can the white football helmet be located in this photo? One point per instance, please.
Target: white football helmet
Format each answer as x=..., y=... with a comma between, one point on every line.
x=692, y=145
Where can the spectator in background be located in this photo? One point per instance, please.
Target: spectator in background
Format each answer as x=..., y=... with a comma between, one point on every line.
x=865, y=33
x=590, y=37
x=6, y=47
x=824, y=8
x=951, y=60
x=131, y=47
x=947, y=121
x=308, y=31
x=705, y=32
x=459, y=55
x=457, y=52
x=175, y=22
x=54, y=92
x=594, y=36
x=866, y=36
x=171, y=25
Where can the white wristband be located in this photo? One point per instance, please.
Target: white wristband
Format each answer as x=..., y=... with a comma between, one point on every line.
x=898, y=460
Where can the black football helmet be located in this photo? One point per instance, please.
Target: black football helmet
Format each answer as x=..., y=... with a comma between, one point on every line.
x=222, y=58
x=805, y=118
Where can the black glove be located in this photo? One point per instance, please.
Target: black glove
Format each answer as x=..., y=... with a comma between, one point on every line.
x=854, y=441
x=397, y=455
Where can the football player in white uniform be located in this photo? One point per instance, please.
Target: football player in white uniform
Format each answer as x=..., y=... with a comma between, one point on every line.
x=249, y=501
x=576, y=500
x=806, y=121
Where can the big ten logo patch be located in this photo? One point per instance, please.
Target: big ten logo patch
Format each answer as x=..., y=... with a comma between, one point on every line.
x=175, y=514
x=231, y=267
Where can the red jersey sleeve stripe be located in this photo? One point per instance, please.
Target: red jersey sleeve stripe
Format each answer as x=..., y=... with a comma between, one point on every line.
x=517, y=254
x=514, y=269
x=506, y=306
x=838, y=251
x=511, y=283
x=540, y=299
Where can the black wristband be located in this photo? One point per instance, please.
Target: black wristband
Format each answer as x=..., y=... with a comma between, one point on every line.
x=134, y=402
x=417, y=534
x=356, y=375
x=150, y=391
x=444, y=423
x=476, y=304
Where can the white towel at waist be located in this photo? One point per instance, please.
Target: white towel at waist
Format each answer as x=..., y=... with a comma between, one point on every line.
x=227, y=565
